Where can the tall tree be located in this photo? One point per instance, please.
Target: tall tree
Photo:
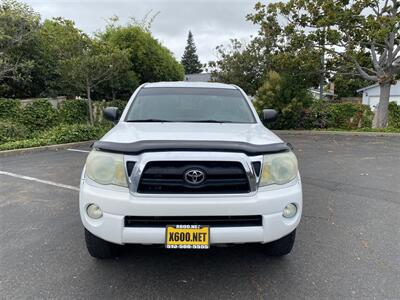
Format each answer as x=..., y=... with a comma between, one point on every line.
x=96, y=63
x=190, y=59
x=241, y=64
x=150, y=60
x=58, y=39
x=249, y=65
x=345, y=28
x=18, y=24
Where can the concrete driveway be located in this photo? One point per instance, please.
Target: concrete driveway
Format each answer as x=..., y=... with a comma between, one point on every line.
x=347, y=246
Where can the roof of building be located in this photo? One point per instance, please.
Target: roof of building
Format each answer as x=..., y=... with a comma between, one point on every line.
x=374, y=85
x=368, y=87
x=189, y=84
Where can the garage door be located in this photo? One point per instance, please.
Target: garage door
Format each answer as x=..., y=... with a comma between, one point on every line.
x=374, y=101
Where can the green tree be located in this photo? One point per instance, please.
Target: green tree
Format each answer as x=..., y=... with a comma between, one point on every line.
x=346, y=82
x=190, y=59
x=58, y=40
x=18, y=24
x=344, y=28
x=119, y=86
x=150, y=60
x=281, y=93
x=240, y=64
x=96, y=63
x=278, y=91
x=248, y=65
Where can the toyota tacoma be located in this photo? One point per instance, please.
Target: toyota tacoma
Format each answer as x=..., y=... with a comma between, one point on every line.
x=189, y=165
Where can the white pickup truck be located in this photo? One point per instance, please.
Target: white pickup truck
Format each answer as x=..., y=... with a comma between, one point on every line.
x=188, y=166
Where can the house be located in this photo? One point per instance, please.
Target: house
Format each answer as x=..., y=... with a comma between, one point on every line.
x=370, y=94
x=201, y=77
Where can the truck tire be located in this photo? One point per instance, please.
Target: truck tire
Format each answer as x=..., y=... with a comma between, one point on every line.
x=99, y=248
x=283, y=246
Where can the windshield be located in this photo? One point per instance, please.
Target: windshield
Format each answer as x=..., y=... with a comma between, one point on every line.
x=208, y=105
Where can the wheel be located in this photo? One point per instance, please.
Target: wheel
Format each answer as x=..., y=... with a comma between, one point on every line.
x=99, y=248
x=283, y=246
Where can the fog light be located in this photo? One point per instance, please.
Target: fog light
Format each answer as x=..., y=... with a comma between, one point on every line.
x=290, y=210
x=94, y=211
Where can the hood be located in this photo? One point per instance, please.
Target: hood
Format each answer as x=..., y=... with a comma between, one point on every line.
x=133, y=132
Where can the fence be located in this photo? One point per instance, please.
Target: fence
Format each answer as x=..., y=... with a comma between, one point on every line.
x=55, y=102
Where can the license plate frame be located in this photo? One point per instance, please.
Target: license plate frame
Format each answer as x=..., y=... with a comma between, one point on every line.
x=187, y=237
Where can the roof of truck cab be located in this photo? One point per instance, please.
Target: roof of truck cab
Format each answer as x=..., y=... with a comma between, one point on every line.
x=186, y=84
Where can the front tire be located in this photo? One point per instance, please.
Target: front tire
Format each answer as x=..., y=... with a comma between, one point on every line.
x=99, y=248
x=283, y=246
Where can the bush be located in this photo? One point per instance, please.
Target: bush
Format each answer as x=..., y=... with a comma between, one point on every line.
x=39, y=115
x=9, y=109
x=317, y=116
x=291, y=116
x=323, y=115
x=12, y=131
x=98, y=107
x=351, y=116
x=73, y=133
x=394, y=115
x=60, y=134
x=118, y=103
x=73, y=111
x=279, y=91
x=36, y=142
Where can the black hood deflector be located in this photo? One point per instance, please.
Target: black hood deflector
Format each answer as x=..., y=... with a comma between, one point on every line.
x=179, y=145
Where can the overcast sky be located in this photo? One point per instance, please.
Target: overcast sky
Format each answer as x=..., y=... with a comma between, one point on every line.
x=212, y=22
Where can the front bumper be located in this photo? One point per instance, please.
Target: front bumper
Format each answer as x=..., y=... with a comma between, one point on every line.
x=118, y=203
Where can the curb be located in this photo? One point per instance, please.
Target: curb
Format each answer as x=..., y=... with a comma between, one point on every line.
x=6, y=153
x=330, y=132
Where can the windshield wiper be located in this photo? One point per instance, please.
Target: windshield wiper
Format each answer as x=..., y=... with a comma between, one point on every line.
x=149, y=120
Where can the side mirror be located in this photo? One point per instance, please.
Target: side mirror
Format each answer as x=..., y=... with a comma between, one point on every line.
x=269, y=115
x=111, y=114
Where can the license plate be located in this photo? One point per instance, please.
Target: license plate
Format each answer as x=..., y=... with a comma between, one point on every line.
x=187, y=237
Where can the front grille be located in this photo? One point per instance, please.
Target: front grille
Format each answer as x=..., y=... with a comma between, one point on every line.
x=221, y=177
x=212, y=221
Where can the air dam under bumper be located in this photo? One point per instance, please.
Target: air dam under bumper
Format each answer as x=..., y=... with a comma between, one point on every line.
x=268, y=202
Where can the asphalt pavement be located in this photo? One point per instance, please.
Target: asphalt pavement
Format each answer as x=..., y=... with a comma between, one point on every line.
x=347, y=245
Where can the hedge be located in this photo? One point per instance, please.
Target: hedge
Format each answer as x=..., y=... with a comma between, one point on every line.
x=73, y=111
x=98, y=107
x=9, y=109
x=39, y=123
x=394, y=115
x=10, y=131
x=38, y=115
x=324, y=115
x=337, y=115
x=58, y=135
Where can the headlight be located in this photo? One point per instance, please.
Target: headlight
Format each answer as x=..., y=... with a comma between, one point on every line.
x=278, y=168
x=106, y=168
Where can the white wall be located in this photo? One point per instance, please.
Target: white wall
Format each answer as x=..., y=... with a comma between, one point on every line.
x=371, y=96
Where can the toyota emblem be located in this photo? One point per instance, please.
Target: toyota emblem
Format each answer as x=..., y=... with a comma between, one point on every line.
x=194, y=176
